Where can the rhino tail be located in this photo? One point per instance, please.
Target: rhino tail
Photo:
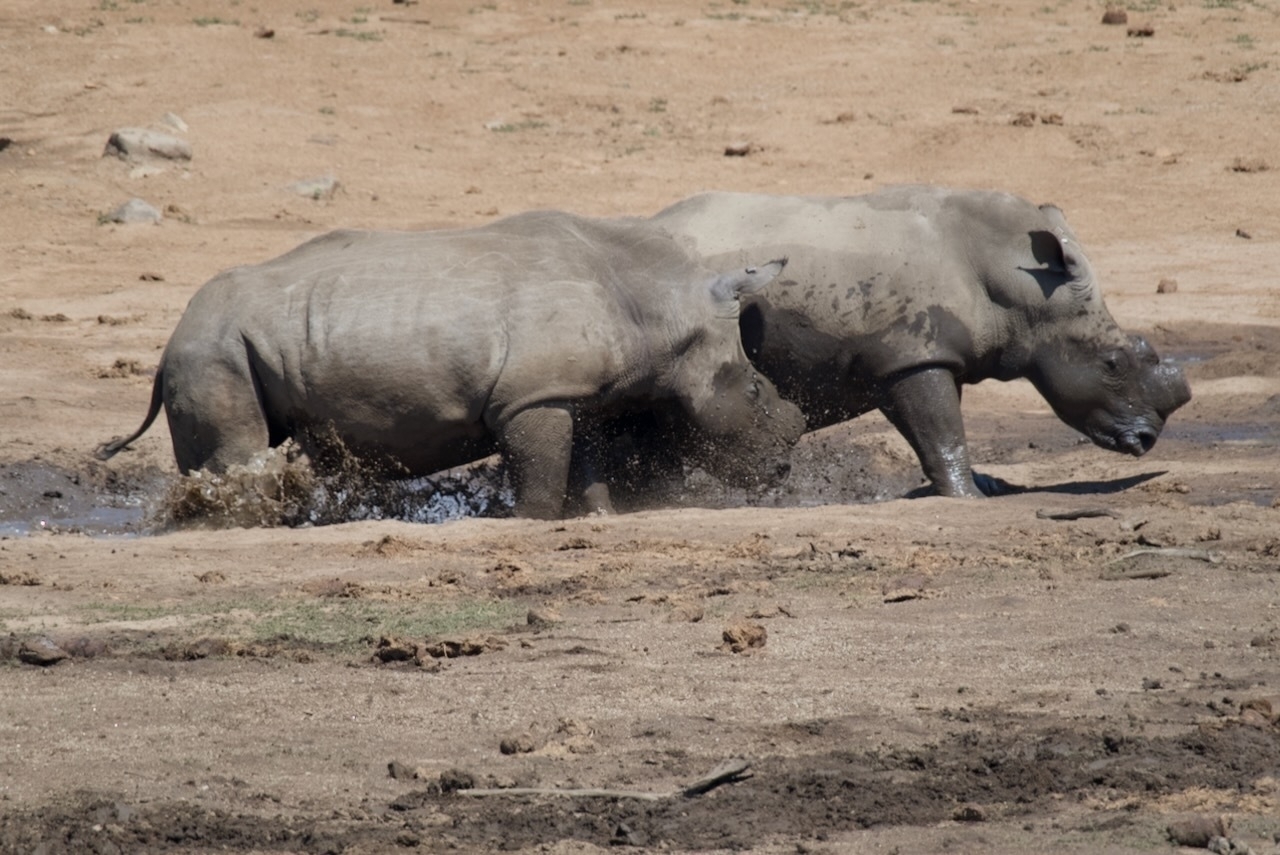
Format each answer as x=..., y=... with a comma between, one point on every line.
x=108, y=449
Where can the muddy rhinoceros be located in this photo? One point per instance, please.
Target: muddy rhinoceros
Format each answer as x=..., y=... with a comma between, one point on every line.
x=427, y=350
x=895, y=299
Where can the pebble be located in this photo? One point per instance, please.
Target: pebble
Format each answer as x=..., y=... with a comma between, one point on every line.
x=542, y=617
x=136, y=211
x=140, y=143
x=1198, y=831
x=520, y=744
x=41, y=651
x=316, y=188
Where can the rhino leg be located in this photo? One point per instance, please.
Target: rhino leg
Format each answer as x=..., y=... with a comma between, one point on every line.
x=538, y=444
x=586, y=480
x=215, y=416
x=924, y=406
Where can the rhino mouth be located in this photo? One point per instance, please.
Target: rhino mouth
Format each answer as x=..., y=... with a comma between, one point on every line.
x=1136, y=440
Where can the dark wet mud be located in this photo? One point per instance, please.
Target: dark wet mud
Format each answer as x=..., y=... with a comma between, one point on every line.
x=990, y=768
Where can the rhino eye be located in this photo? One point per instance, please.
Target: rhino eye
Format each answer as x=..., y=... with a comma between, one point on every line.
x=1112, y=364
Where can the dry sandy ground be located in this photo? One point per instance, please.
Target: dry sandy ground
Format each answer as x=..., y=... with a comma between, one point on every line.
x=959, y=676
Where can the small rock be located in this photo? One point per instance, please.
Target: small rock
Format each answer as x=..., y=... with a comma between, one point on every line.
x=140, y=143
x=452, y=780
x=739, y=149
x=686, y=611
x=1268, y=639
x=573, y=727
x=41, y=651
x=1167, y=286
x=1268, y=707
x=624, y=835
x=135, y=211
x=1197, y=831
x=969, y=813
x=904, y=588
x=1244, y=234
x=1145, y=31
x=1254, y=718
x=401, y=771
x=323, y=187
x=743, y=635
x=1115, y=15
x=1227, y=846
x=264, y=33
x=520, y=744
x=542, y=617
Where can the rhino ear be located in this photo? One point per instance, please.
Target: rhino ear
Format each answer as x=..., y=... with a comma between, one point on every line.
x=1060, y=252
x=740, y=283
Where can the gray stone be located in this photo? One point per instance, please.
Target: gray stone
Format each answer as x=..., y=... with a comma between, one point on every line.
x=140, y=143
x=316, y=188
x=41, y=651
x=135, y=211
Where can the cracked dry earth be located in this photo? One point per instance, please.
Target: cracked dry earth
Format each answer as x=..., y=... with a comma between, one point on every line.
x=902, y=674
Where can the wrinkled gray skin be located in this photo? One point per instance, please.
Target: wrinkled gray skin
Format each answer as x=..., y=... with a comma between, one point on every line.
x=896, y=299
x=427, y=350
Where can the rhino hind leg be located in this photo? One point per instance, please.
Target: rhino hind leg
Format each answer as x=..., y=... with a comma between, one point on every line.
x=215, y=412
x=537, y=444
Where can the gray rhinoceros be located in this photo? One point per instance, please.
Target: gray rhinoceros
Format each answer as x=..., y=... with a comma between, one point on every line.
x=895, y=299
x=428, y=350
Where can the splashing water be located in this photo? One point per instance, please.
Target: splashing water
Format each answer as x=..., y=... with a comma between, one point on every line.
x=279, y=487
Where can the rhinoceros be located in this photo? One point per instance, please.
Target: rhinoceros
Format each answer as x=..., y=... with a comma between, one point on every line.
x=895, y=299
x=427, y=350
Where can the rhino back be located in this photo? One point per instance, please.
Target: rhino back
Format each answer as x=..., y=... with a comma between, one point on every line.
x=879, y=283
x=417, y=342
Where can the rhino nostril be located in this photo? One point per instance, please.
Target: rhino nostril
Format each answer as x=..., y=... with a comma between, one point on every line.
x=1147, y=438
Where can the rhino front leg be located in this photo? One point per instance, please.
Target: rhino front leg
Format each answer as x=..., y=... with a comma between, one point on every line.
x=538, y=445
x=924, y=406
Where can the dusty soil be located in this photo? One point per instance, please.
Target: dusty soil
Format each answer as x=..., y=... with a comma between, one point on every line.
x=966, y=676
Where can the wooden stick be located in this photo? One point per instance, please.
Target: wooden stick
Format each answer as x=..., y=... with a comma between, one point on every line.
x=734, y=769
x=1080, y=514
x=1172, y=552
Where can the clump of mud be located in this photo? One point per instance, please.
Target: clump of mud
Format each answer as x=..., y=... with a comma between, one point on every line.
x=280, y=487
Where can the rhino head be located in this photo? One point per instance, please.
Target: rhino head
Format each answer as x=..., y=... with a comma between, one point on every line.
x=743, y=430
x=1110, y=386
x=1118, y=396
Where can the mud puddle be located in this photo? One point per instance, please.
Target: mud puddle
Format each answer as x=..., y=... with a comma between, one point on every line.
x=36, y=496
